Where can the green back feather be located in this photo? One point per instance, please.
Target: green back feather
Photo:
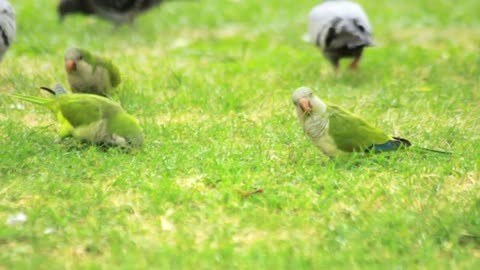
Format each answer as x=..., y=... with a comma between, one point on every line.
x=352, y=133
x=76, y=113
x=77, y=109
x=83, y=109
x=96, y=60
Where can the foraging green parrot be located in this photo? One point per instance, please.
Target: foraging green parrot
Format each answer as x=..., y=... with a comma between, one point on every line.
x=335, y=131
x=91, y=118
x=88, y=73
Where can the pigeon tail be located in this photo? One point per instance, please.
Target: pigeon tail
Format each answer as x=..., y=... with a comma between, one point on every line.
x=349, y=33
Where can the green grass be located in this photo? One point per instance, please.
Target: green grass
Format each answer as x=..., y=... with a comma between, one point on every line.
x=210, y=82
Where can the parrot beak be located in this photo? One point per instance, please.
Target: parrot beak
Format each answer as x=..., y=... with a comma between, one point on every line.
x=305, y=105
x=70, y=65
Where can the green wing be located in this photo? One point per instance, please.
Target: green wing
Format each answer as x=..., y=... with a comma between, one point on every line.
x=351, y=133
x=80, y=110
x=95, y=61
x=113, y=71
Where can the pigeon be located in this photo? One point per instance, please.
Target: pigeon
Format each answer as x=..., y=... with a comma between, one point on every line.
x=116, y=11
x=7, y=26
x=341, y=29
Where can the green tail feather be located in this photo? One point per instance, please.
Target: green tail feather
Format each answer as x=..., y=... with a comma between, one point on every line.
x=32, y=99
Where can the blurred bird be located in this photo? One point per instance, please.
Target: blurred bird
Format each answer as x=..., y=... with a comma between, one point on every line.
x=88, y=73
x=340, y=28
x=335, y=131
x=90, y=118
x=116, y=11
x=7, y=26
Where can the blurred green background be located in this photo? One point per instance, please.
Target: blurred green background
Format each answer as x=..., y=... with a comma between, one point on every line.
x=210, y=82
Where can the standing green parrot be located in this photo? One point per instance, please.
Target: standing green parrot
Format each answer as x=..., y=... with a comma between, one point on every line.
x=91, y=118
x=335, y=131
x=88, y=73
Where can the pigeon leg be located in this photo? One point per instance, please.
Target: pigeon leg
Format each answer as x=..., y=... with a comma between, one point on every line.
x=354, y=64
x=336, y=64
x=336, y=68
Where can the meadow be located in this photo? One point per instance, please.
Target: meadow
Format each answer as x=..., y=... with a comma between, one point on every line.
x=211, y=83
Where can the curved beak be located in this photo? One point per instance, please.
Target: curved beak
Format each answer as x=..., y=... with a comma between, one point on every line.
x=305, y=105
x=47, y=89
x=70, y=65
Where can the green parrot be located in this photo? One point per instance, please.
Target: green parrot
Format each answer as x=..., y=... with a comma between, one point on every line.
x=336, y=131
x=88, y=73
x=91, y=118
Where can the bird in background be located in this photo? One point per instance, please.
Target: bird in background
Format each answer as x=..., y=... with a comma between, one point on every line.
x=335, y=131
x=90, y=118
x=89, y=73
x=340, y=29
x=115, y=11
x=8, y=26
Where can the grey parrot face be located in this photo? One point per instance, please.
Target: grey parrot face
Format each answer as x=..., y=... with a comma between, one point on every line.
x=306, y=102
x=72, y=57
x=302, y=100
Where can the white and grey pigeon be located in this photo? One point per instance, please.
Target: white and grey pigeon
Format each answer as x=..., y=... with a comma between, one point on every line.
x=116, y=11
x=7, y=26
x=340, y=28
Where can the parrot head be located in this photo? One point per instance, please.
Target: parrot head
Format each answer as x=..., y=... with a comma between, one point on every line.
x=74, y=58
x=306, y=103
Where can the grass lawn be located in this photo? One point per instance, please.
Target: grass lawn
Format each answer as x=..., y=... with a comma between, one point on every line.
x=210, y=82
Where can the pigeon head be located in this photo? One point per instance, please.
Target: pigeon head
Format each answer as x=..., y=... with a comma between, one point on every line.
x=66, y=7
x=7, y=10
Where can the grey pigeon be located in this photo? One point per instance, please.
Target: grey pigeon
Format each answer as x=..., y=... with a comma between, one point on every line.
x=7, y=26
x=116, y=11
x=340, y=28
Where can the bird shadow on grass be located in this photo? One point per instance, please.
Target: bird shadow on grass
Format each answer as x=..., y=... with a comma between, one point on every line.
x=349, y=78
x=468, y=239
x=320, y=75
x=381, y=160
x=73, y=145
x=43, y=141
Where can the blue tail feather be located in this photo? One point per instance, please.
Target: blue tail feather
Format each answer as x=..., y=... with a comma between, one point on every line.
x=391, y=145
x=396, y=144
